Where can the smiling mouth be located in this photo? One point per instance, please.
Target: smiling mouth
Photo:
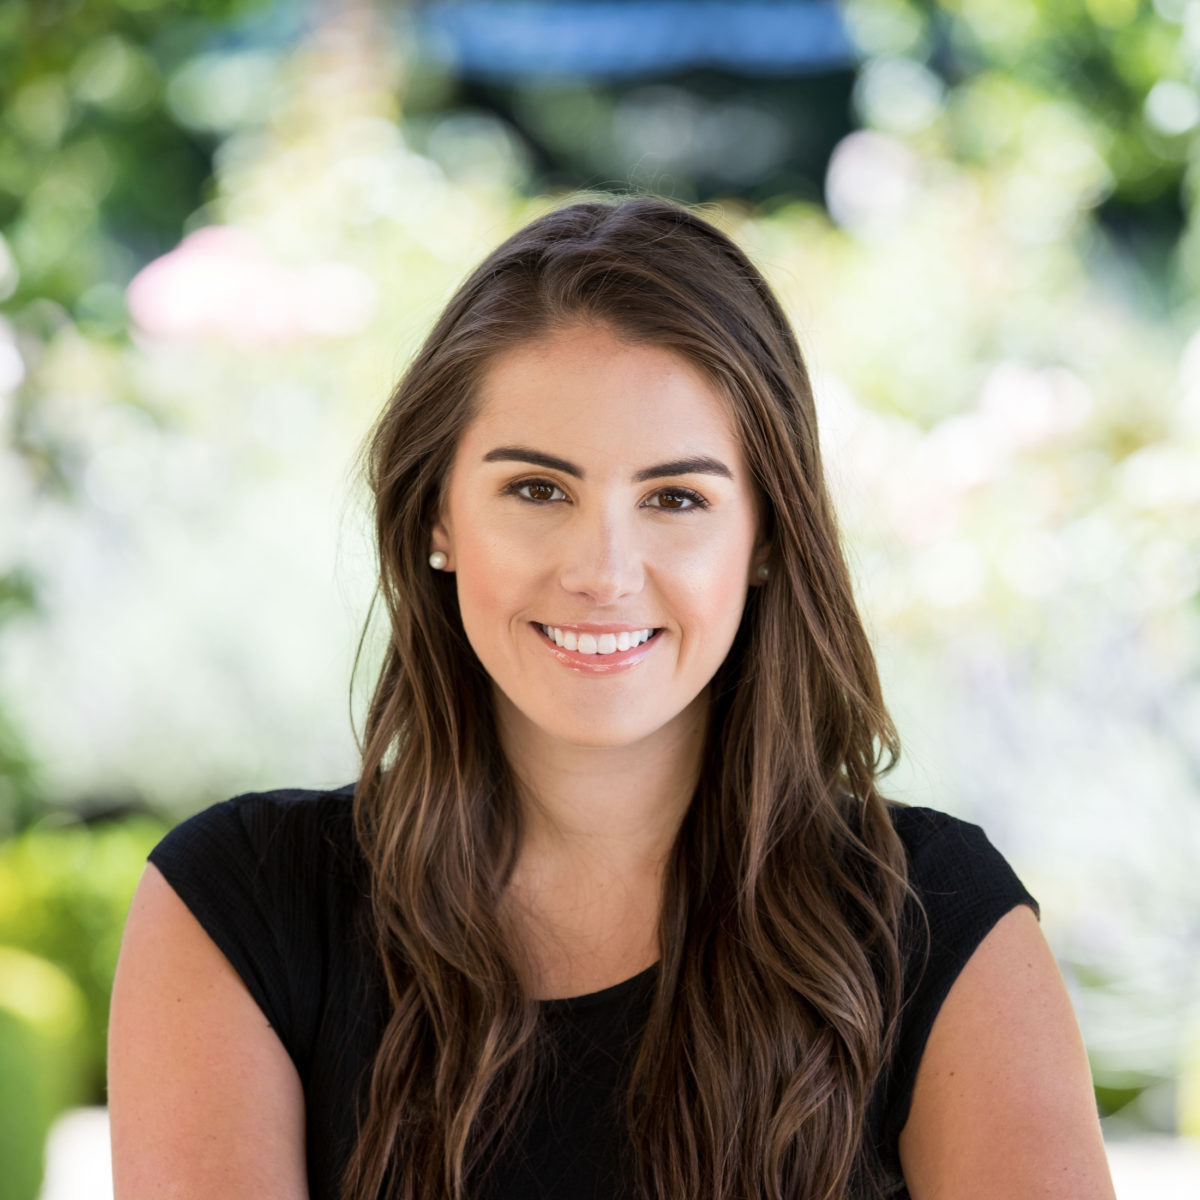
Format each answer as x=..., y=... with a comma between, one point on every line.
x=599, y=645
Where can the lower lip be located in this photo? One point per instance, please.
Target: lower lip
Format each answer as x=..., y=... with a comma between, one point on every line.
x=597, y=664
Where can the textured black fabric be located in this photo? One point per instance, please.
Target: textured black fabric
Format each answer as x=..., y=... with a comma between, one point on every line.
x=276, y=880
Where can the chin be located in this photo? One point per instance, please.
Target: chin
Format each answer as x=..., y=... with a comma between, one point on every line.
x=595, y=730
x=597, y=736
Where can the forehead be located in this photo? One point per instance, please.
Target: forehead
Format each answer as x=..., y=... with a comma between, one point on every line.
x=585, y=379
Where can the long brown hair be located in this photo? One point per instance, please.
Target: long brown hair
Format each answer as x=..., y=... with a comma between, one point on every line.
x=779, y=981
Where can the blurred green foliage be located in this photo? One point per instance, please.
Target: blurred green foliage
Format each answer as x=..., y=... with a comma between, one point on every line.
x=1113, y=65
x=42, y=1019
x=975, y=78
x=64, y=895
x=97, y=171
x=18, y=790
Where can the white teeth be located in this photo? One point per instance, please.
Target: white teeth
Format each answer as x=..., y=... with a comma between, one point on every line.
x=591, y=643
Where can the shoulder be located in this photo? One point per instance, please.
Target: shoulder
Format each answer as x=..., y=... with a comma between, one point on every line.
x=270, y=839
x=988, y=1063
x=1003, y=1102
x=962, y=886
x=943, y=849
x=273, y=878
x=261, y=819
x=192, y=1063
x=962, y=881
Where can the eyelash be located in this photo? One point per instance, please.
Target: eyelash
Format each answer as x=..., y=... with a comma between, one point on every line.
x=696, y=501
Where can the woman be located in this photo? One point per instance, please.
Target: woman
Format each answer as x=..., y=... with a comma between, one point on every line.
x=615, y=906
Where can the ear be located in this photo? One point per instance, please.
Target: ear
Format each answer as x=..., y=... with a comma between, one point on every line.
x=441, y=539
x=760, y=559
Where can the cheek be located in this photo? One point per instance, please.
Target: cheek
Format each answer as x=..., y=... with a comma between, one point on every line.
x=712, y=581
x=492, y=578
x=728, y=602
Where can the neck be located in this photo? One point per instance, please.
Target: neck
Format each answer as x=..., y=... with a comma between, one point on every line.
x=601, y=814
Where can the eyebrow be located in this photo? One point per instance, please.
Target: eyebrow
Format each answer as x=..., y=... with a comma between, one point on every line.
x=699, y=464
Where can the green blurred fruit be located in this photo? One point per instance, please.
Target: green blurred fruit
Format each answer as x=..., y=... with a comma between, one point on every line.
x=43, y=1017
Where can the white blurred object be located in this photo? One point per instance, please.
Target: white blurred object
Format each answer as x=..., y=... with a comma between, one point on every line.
x=1155, y=1168
x=79, y=1162
x=871, y=182
x=220, y=281
x=78, y=1157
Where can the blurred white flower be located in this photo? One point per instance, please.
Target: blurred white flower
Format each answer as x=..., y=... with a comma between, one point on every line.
x=1172, y=107
x=1031, y=562
x=898, y=94
x=1026, y=406
x=1161, y=476
x=870, y=183
x=962, y=452
x=949, y=572
x=1188, y=417
x=12, y=365
x=10, y=273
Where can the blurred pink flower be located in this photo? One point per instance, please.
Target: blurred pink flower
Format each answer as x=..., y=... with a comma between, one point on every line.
x=219, y=282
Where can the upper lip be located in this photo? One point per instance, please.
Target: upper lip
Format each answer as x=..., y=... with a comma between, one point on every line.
x=587, y=627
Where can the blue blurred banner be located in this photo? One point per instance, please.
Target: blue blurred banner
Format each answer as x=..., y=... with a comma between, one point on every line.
x=609, y=40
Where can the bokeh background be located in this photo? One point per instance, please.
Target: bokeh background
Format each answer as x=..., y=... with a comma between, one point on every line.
x=226, y=224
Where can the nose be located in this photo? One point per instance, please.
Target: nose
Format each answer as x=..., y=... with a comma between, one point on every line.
x=602, y=559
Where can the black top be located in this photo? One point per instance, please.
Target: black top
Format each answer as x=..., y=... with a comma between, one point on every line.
x=276, y=880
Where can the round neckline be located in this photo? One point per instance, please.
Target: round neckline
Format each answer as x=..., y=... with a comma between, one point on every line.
x=605, y=996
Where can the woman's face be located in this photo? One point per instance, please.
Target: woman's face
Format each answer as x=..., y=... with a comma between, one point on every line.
x=599, y=492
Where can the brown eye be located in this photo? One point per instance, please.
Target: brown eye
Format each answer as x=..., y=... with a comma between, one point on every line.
x=678, y=500
x=537, y=491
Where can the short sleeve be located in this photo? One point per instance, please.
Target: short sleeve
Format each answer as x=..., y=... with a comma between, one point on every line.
x=965, y=886
x=252, y=870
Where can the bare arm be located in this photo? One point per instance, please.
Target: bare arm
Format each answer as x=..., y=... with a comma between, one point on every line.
x=204, y=1101
x=1003, y=1103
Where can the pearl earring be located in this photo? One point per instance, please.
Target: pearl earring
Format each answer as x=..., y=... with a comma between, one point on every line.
x=437, y=560
x=763, y=572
